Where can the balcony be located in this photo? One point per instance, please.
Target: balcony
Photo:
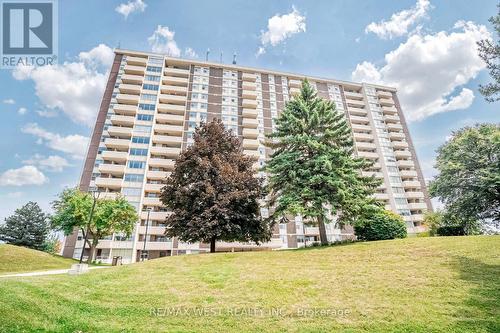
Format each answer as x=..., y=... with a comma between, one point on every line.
x=154, y=216
x=125, y=109
x=146, y=201
x=122, y=120
x=175, y=81
x=173, y=99
x=152, y=246
x=114, y=183
x=249, y=103
x=157, y=175
x=411, y=184
x=406, y=164
x=249, y=113
x=249, y=77
x=167, y=139
x=373, y=173
x=120, y=131
x=293, y=83
x=169, y=118
x=355, y=103
x=247, y=85
x=394, y=127
x=250, y=123
x=252, y=153
x=359, y=120
x=172, y=108
x=357, y=111
x=169, y=89
x=353, y=95
x=250, y=94
x=162, y=163
x=408, y=173
x=151, y=231
x=366, y=145
x=386, y=101
x=418, y=218
x=250, y=144
x=381, y=196
x=417, y=206
x=396, y=135
x=368, y=154
x=359, y=127
x=116, y=156
x=132, y=79
x=137, y=70
x=400, y=144
x=392, y=119
x=402, y=154
x=127, y=99
x=173, y=130
x=179, y=72
x=362, y=136
x=384, y=94
x=389, y=110
x=114, y=169
x=155, y=188
x=137, y=61
x=165, y=151
x=250, y=133
x=129, y=89
x=117, y=143
x=415, y=195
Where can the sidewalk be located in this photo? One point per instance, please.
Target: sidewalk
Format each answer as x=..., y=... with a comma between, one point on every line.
x=51, y=272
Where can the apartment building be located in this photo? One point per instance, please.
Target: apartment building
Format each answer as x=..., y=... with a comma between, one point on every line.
x=152, y=104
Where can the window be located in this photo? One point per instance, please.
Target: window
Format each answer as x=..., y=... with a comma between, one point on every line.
x=150, y=86
x=153, y=69
x=401, y=201
x=156, y=61
x=136, y=164
x=138, y=152
x=145, y=117
x=146, y=107
x=132, y=177
x=148, y=97
x=153, y=78
x=140, y=139
x=142, y=128
x=131, y=191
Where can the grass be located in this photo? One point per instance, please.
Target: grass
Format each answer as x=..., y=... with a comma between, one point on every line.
x=446, y=284
x=16, y=259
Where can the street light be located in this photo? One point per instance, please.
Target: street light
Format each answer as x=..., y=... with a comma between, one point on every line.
x=95, y=195
x=145, y=235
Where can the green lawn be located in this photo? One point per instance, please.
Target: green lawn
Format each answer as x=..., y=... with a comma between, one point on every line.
x=16, y=259
x=448, y=284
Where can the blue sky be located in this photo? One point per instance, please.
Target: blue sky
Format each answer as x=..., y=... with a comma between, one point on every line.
x=425, y=49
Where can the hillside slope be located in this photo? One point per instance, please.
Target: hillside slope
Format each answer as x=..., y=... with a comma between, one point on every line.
x=16, y=259
x=447, y=284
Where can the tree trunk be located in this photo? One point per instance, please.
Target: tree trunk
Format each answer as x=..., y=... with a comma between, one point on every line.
x=93, y=248
x=322, y=231
x=212, y=245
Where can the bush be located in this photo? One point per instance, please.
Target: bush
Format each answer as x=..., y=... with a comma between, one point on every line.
x=380, y=225
x=451, y=230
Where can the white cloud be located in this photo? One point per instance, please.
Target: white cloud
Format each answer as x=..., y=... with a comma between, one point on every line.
x=73, y=87
x=130, y=7
x=47, y=113
x=280, y=28
x=429, y=70
x=162, y=41
x=400, y=22
x=22, y=111
x=9, y=101
x=52, y=163
x=75, y=145
x=26, y=175
x=190, y=53
x=14, y=195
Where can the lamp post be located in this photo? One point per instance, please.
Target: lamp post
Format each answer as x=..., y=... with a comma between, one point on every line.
x=145, y=236
x=95, y=196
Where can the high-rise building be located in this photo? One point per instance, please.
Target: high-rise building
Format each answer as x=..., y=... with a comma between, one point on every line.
x=152, y=104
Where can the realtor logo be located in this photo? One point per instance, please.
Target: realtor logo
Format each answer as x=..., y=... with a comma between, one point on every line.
x=29, y=33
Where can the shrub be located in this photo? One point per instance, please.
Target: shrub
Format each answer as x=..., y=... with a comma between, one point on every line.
x=451, y=230
x=380, y=225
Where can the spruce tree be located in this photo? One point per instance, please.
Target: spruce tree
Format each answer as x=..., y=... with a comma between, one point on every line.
x=29, y=227
x=213, y=192
x=313, y=170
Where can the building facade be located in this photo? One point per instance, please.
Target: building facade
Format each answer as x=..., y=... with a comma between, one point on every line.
x=152, y=104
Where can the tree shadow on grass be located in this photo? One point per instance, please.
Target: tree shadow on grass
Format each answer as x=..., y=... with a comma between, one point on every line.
x=481, y=311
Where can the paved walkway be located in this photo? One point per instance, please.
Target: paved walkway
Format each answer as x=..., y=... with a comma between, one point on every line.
x=51, y=272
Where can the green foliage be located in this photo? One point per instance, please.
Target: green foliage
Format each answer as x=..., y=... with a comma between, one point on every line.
x=380, y=225
x=312, y=169
x=433, y=220
x=29, y=226
x=469, y=175
x=73, y=209
x=489, y=51
x=213, y=192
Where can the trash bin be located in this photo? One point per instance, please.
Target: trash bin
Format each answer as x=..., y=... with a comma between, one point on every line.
x=117, y=261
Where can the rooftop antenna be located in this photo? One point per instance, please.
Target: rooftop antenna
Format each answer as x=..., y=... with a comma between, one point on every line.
x=234, y=58
x=119, y=44
x=208, y=52
x=221, y=56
